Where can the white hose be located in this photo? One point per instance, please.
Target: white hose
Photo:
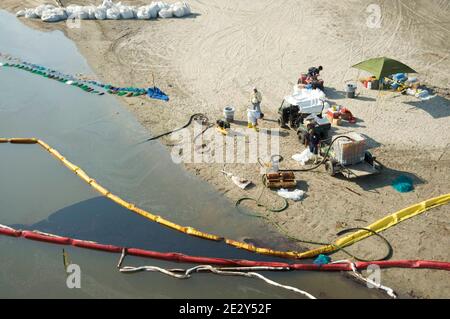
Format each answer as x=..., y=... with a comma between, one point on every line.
x=237, y=271
x=355, y=273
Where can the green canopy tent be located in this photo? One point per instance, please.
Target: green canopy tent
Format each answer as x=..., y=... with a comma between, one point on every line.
x=382, y=67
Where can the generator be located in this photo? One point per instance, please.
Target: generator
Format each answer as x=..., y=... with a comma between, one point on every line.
x=321, y=126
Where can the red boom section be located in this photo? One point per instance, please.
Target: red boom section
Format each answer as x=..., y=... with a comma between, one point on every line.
x=177, y=257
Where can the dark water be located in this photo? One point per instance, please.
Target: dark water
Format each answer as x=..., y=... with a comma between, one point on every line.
x=99, y=135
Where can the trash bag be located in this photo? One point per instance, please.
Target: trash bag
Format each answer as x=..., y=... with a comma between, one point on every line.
x=153, y=10
x=54, y=15
x=143, y=13
x=107, y=4
x=91, y=12
x=100, y=13
x=43, y=7
x=178, y=10
x=71, y=9
x=30, y=14
x=187, y=9
x=82, y=14
x=166, y=13
x=181, y=9
x=161, y=5
x=20, y=13
x=126, y=12
x=113, y=14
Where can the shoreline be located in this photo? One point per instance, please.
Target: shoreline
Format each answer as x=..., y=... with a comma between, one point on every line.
x=108, y=48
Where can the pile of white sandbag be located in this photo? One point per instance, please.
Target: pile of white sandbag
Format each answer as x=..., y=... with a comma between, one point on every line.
x=108, y=10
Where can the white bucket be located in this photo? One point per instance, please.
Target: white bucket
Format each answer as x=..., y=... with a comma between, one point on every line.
x=228, y=113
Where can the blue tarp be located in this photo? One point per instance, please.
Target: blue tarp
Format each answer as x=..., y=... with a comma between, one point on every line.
x=156, y=93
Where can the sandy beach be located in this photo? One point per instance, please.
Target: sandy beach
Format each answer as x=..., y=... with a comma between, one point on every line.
x=217, y=55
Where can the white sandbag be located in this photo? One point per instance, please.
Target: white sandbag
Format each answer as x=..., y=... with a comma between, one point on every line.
x=295, y=195
x=30, y=14
x=166, y=13
x=20, y=13
x=113, y=14
x=100, y=13
x=303, y=157
x=43, y=7
x=143, y=13
x=54, y=15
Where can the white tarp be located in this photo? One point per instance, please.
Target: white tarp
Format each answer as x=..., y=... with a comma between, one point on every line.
x=107, y=10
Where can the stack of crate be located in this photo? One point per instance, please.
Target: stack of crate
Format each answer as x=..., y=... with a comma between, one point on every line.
x=280, y=180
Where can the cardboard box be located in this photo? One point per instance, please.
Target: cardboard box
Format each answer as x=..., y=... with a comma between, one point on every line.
x=336, y=122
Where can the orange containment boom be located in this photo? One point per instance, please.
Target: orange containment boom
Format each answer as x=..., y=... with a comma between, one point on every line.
x=177, y=257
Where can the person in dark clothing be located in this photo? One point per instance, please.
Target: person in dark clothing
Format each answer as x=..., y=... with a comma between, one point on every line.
x=314, y=72
x=313, y=144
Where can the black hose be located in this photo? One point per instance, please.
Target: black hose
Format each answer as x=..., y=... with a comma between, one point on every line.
x=337, y=248
x=197, y=116
x=386, y=242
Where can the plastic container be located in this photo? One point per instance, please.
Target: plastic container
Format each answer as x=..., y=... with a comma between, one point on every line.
x=228, y=113
x=348, y=152
x=375, y=85
x=350, y=90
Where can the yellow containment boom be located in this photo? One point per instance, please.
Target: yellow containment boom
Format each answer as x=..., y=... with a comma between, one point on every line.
x=347, y=240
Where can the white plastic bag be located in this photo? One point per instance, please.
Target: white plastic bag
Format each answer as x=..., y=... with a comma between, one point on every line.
x=303, y=157
x=181, y=9
x=126, y=13
x=82, y=14
x=20, y=13
x=153, y=10
x=107, y=4
x=178, y=10
x=166, y=13
x=71, y=9
x=30, y=14
x=43, y=7
x=100, y=13
x=91, y=12
x=162, y=5
x=295, y=195
x=54, y=15
x=113, y=14
x=143, y=13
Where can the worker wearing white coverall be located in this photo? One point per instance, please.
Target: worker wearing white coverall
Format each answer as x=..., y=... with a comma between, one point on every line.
x=254, y=113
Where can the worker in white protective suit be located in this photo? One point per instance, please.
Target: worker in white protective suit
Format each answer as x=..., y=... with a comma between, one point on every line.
x=254, y=113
